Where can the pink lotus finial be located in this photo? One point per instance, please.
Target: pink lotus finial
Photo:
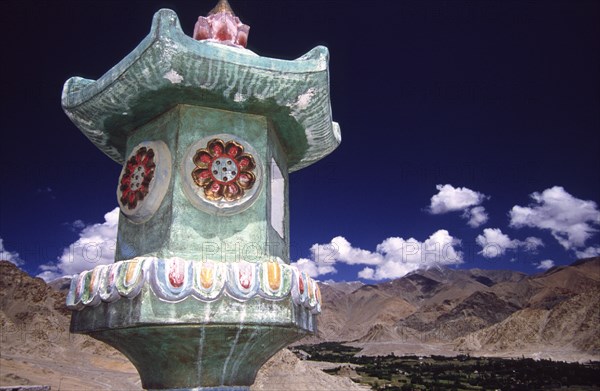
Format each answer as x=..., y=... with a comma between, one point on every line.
x=222, y=26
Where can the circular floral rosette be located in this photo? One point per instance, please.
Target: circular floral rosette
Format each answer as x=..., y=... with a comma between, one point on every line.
x=221, y=174
x=144, y=180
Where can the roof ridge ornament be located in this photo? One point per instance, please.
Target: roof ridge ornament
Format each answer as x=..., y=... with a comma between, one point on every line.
x=222, y=6
x=222, y=26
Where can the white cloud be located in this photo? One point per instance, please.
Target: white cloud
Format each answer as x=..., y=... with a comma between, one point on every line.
x=494, y=243
x=592, y=251
x=393, y=258
x=10, y=256
x=340, y=250
x=312, y=268
x=451, y=199
x=367, y=273
x=95, y=246
x=545, y=265
x=78, y=224
x=477, y=216
x=570, y=220
x=454, y=199
x=532, y=243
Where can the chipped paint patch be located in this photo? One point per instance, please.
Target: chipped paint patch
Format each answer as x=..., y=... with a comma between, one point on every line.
x=304, y=99
x=238, y=97
x=173, y=77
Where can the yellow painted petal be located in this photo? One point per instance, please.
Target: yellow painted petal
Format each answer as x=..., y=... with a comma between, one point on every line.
x=274, y=275
x=206, y=277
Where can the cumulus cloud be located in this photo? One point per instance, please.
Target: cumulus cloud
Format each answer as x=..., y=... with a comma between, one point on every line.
x=10, y=256
x=455, y=199
x=392, y=258
x=494, y=243
x=95, y=246
x=570, y=220
x=545, y=265
x=476, y=216
x=314, y=269
x=593, y=251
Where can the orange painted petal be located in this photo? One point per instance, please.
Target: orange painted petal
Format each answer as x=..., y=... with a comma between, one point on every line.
x=206, y=277
x=130, y=273
x=274, y=275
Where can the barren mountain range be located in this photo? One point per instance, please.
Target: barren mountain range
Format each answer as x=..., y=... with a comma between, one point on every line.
x=37, y=348
x=443, y=311
x=554, y=314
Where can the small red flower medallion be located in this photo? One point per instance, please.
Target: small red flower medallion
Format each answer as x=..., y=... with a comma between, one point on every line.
x=224, y=170
x=135, y=180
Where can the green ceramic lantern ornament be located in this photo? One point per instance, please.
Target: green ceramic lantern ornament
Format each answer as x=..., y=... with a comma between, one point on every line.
x=202, y=293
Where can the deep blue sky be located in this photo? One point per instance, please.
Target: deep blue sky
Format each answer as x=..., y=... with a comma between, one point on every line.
x=500, y=97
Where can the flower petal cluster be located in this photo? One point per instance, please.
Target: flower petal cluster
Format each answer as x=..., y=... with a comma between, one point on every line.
x=224, y=170
x=135, y=181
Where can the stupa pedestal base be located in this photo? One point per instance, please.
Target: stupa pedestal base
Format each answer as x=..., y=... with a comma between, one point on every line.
x=187, y=324
x=183, y=357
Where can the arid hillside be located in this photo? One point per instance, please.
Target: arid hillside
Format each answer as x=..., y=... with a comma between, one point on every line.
x=37, y=348
x=555, y=314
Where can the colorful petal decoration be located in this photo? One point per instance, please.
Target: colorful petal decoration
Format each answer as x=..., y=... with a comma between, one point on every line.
x=242, y=282
x=175, y=279
x=221, y=174
x=91, y=298
x=144, y=180
x=209, y=280
x=276, y=280
x=108, y=277
x=130, y=277
x=223, y=170
x=299, y=291
x=136, y=177
x=72, y=300
x=171, y=279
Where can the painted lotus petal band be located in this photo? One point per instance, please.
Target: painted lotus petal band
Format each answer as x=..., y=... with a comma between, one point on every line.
x=176, y=279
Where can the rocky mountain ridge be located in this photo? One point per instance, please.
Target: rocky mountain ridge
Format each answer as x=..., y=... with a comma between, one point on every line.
x=488, y=312
x=553, y=314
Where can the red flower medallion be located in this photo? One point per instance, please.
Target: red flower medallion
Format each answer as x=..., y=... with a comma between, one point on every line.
x=135, y=181
x=223, y=170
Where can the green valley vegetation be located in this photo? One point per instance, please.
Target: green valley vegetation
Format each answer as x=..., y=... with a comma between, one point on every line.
x=461, y=372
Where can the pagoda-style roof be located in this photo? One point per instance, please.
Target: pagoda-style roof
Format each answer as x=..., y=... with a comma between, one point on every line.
x=169, y=68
